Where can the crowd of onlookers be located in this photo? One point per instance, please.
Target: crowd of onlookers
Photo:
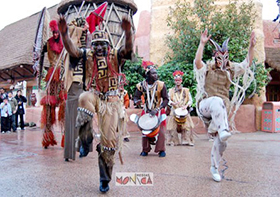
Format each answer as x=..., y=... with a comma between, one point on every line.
x=12, y=110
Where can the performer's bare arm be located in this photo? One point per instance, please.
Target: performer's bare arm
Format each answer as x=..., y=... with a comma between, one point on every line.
x=199, y=53
x=189, y=103
x=164, y=97
x=251, y=48
x=126, y=51
x=73, y=50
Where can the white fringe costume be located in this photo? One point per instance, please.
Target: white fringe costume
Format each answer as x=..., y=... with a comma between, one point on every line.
x=213, y=110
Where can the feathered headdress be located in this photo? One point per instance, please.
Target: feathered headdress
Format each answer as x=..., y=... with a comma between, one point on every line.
x=53, y=25
x=147, y=65
x=178, y=73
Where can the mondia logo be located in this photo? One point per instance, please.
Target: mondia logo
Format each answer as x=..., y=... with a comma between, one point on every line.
x=134, y=179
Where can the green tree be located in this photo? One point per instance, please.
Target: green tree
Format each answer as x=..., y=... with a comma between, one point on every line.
x=234, y=21
x=134, y=73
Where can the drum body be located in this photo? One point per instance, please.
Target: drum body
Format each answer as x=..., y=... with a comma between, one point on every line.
x=180, y=116
x=116, y=10
x=149, y=125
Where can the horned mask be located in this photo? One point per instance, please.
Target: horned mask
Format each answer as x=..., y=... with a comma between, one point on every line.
x=221, y=53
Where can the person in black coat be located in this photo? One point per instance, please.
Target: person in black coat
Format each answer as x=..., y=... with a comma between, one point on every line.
x=20, y=110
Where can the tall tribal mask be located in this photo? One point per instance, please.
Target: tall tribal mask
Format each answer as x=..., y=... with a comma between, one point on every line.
x=221, y=53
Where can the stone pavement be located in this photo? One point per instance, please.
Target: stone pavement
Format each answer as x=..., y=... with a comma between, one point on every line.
x=26, y=169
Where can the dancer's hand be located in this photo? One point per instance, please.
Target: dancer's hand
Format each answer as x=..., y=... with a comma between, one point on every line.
x=204, y=38
x=126, y=25
x=138, y=102
x=184, y=107
x=86, y=27
x=253, y=39
x=251, y=48
x=62, y=25
x=153, y=112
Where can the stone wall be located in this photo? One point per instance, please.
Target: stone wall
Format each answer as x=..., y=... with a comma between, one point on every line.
x=159, y=30
x=142, y=36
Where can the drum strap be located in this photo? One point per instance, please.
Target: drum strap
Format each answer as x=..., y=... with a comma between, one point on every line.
x=179, y=98
x=150, y=100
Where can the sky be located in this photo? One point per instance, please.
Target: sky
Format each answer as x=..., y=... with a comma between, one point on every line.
x=25, y=8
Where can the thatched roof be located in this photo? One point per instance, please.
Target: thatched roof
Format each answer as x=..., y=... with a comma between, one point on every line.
x=16, y=45
x=64, y=4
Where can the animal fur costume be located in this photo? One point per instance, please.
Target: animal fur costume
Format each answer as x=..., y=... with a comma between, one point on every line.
x=102, y=97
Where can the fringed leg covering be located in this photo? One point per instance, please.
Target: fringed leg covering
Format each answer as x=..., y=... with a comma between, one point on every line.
x=48, y=138
x=84, y=123
x=47, y=121
x=105, y=166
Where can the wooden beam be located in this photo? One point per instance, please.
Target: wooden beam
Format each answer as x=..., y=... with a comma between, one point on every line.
x=26, y=68
x=25, y=78
x=2, y=78
x=76, y=10
x=6, y=73
x=18, y=73
x=116, y=12
x=105, y=23
x=81, y=9
x=85, y=14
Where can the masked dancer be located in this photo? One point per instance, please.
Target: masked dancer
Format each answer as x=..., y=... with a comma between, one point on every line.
x=213, y=82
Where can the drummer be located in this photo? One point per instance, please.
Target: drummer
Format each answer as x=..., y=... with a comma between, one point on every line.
x=156, y=99
x=180, y=99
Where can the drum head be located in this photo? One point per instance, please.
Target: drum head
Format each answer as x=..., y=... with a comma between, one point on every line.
x=146, y=132
x=181, y=112
x=146, y=122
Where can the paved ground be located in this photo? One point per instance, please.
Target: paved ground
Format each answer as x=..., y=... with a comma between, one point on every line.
x=26, y=169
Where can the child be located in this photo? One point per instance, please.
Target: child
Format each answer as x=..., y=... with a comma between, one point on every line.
x=6, y=111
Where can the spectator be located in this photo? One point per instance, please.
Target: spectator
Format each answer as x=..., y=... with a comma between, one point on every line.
x=14, y=106
x=33, y=99
x=20, y=110
x=6, y=112
x=2, y=94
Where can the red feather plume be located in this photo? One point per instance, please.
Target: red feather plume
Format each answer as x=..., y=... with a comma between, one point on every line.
x=53, y=25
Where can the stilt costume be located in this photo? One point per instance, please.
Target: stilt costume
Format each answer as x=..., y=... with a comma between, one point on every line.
x=55, y=92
